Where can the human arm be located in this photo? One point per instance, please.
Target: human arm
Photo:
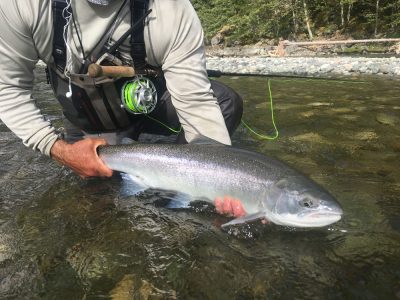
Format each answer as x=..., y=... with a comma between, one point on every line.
x=25, y=37
x=178, y=48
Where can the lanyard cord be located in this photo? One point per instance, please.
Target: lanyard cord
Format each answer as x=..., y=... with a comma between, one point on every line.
x=77, y=34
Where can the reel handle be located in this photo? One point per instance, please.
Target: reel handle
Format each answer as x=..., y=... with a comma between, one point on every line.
x=95, y=71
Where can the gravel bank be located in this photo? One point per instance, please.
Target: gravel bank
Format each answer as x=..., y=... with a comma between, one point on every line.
x=304, y=66
x=307, y=66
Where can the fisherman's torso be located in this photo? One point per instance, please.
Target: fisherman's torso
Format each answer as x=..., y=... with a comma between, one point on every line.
x=93, y=21
x=173, y=39
x=93, y=106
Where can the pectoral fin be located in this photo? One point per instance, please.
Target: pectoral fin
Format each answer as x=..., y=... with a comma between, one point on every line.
x=245, y=219
x=178, y=201
x=132, y=185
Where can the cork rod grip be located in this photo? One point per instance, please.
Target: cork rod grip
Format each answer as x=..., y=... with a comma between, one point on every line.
x=96, y=71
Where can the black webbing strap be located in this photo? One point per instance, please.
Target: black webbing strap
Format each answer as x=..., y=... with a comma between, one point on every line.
x=138, y=49
x=139, y=9
x=59, y=22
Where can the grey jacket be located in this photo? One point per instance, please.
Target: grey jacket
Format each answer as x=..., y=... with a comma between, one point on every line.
x=174, y=42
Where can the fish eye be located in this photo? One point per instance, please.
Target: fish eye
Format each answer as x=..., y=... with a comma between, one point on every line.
x=308, y=202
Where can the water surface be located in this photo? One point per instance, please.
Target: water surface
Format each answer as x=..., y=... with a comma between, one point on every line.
x=66, y=238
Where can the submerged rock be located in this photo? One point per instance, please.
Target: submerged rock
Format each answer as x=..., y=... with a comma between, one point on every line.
x=131, y=287
x=320, y=104
x=387, y=119
x=366, y=136
x=395, y=146
x=124, y=289
x=350, y=117
x=310, y=137
x=342, y=110
x=307, y=114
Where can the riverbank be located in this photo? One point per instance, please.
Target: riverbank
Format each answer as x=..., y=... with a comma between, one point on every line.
x=307, y=66
x=316, y=61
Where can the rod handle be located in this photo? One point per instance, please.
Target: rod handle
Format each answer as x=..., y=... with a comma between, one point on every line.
x=96, y=71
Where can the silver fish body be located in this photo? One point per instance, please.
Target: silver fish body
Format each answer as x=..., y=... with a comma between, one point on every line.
x=267, y=187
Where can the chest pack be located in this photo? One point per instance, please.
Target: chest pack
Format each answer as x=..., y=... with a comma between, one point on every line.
x=111, y=88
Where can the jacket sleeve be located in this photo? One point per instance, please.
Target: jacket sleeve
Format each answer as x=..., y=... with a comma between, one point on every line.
x=182, y=56
x=25, y=37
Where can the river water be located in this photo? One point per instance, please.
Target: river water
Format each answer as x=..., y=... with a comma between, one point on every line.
x=66, y=238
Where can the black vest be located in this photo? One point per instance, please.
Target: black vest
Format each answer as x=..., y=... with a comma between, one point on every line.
x=95, y=104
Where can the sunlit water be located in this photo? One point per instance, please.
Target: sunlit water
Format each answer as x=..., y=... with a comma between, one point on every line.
x=66, y=238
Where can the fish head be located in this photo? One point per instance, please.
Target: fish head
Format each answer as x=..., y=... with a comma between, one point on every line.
x=299, y=202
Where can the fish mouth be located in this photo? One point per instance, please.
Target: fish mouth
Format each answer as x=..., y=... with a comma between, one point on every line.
x=319, y=218
x=324, y=211
x=321, y=214
x=324, y=215
x=310, y=219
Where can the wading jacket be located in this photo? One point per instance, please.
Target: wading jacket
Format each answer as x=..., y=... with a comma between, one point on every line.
x=173, y=39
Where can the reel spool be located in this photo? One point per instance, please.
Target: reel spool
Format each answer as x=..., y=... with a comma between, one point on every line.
x=139, y=96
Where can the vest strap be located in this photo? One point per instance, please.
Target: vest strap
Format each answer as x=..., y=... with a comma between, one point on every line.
x=138, y=49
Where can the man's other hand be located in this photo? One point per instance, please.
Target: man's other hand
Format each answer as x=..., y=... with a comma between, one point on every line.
x=81, y=157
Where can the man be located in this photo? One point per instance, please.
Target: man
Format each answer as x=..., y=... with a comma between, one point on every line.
x=173, y=40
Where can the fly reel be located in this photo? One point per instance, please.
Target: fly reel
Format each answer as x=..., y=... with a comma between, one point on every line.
x=139, y=96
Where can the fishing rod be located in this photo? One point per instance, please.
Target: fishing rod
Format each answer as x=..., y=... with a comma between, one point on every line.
x=218, y=73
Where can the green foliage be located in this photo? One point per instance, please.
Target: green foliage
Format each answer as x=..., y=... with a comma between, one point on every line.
x=254, y=20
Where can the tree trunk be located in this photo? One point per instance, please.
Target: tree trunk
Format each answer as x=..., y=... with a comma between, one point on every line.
x=342, y=12
x=277, y=23
x=295, y=22
x=349, y=12
x=376, y=17
x=307, y=19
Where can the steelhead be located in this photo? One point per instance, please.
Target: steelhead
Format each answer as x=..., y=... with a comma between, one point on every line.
x=267, y=187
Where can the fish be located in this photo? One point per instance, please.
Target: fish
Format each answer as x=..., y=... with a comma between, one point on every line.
x=267, y=187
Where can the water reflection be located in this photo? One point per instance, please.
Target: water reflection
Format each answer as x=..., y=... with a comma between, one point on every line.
x=62, y=237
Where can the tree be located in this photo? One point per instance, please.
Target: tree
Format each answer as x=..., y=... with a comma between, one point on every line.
x=252, y=21
x=294, y=16
x=307, y=20
x=376, y=18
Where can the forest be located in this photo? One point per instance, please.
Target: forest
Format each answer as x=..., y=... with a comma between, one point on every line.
x=252, y=21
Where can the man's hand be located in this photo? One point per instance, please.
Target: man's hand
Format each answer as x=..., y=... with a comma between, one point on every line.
x=229, y=206
x=81, y=157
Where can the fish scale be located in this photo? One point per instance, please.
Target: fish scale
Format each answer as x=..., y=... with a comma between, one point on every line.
x=267, y=187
